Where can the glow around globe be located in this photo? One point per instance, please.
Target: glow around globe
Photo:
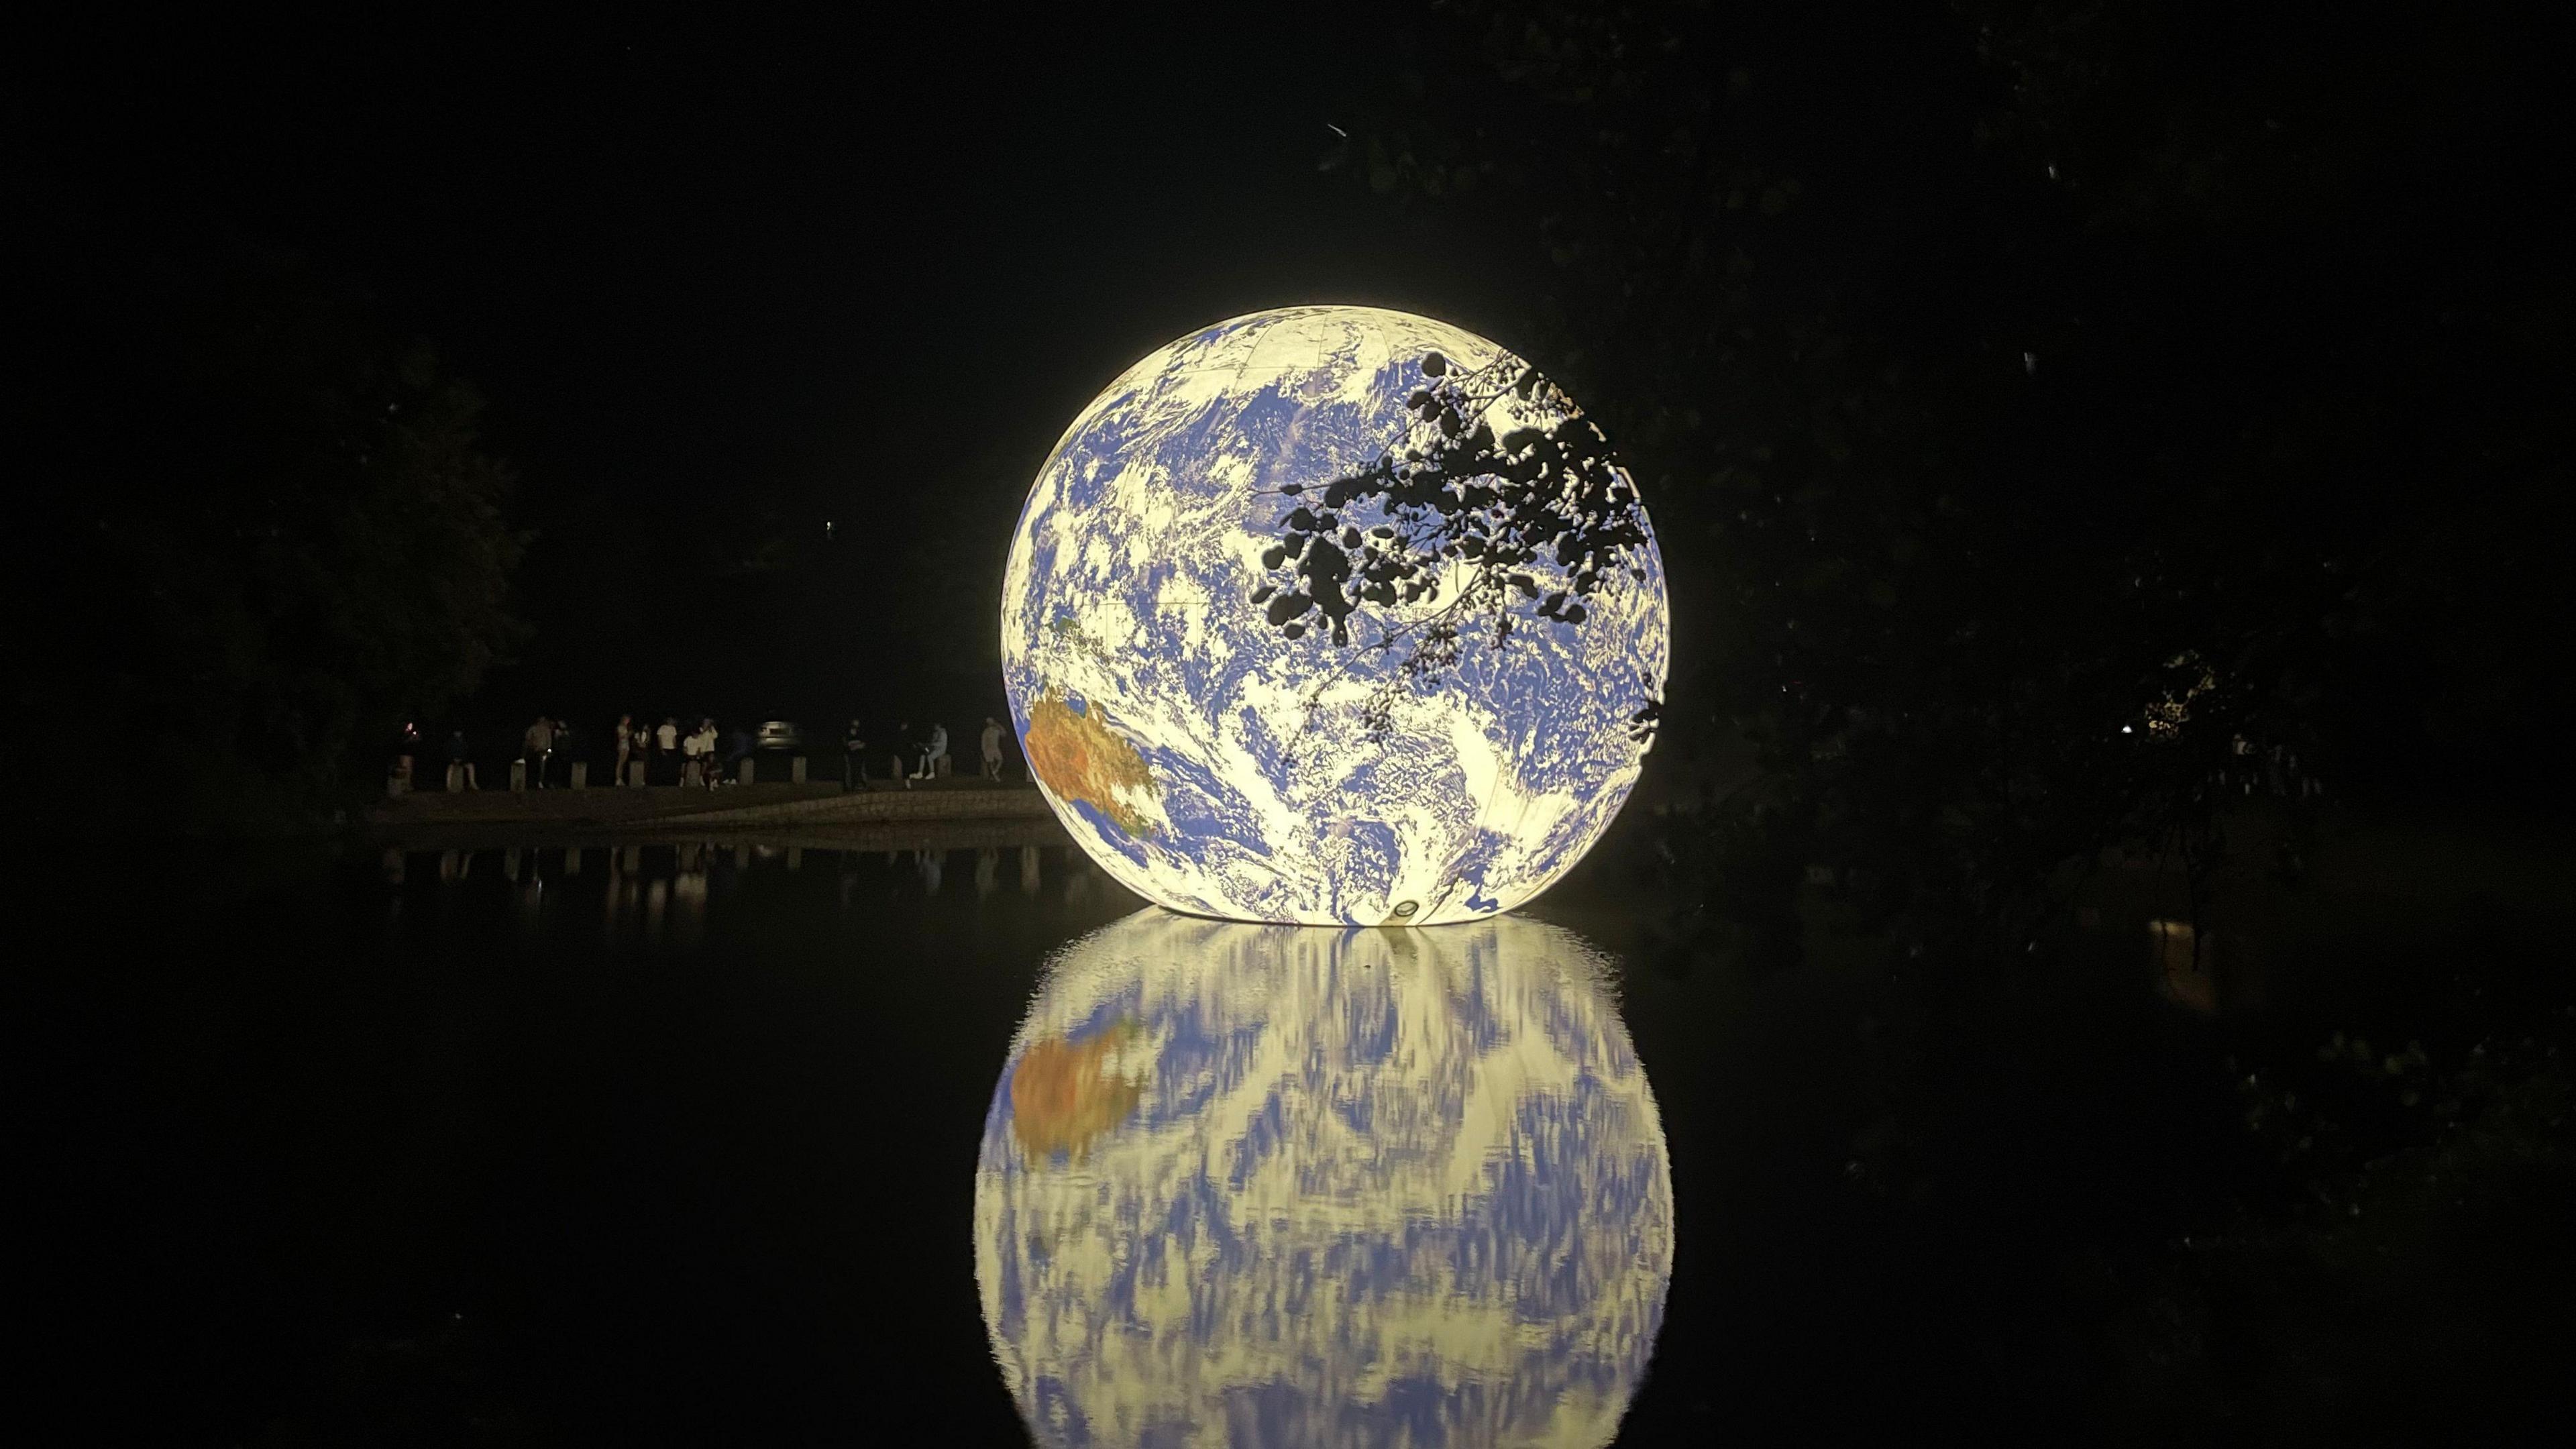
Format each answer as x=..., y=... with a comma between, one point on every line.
x=1254, y=690
x=1265, y=1185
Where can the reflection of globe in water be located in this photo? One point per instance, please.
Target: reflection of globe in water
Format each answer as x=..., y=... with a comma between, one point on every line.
x=1260, y=1185
x=1216, y=765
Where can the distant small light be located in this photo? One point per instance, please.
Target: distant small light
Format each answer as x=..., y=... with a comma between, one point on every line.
x=2030, y=362
x=2124, y=729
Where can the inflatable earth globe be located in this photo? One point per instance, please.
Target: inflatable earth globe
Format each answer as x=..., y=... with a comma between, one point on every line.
x=1248, y=1184
x=1334, y=615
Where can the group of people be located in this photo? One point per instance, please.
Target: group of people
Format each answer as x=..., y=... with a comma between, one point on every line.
x=670, y=755
x=545, y=754
x=667, y=754
x=929, y=751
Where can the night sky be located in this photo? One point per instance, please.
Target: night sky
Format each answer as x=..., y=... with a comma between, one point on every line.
x=723, y=285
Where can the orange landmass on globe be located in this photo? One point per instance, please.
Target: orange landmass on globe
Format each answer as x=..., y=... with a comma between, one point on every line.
x=1078, y=758
x=1062, y=1099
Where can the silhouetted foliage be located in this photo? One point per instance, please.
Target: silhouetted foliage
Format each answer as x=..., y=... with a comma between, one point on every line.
x=1539, y=515
x=1975, y=391
x=265, y=538
x=2034, y=400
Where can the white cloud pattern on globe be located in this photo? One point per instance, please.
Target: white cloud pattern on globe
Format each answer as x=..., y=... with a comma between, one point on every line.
x=1221, y=765
x=1246, y=1184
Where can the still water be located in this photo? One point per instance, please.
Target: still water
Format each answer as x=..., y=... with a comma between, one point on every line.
x=743, y=1141
x=831, y=1139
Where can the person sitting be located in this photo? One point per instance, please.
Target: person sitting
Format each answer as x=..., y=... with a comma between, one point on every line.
x=933, y=753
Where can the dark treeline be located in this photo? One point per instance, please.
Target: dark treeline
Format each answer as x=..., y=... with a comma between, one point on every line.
x=2000, y=374
x=2058, y=418
x=256, y=534
x=1994, y=373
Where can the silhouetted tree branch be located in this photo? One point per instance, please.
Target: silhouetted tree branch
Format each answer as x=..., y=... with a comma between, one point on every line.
x=1538, y=514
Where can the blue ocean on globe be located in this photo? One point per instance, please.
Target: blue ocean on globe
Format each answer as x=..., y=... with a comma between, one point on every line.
x=1247, y=1184
x=1216, y=765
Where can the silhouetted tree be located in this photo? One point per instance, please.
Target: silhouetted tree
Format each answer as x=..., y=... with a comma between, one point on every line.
x=2003, y=378
x=260, y=539
x=1540, y=512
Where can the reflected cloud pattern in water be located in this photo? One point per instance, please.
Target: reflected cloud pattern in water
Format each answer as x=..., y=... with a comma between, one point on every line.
x=1280, y=1185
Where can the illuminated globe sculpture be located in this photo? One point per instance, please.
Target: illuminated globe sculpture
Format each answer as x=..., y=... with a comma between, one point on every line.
x=1334, y=615
x=1259, y=1185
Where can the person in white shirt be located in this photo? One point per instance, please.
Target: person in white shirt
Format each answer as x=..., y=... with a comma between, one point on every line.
x=992, y=748
x=539, y=749
x=705, y=740
x=693, y=759
x=933, y=753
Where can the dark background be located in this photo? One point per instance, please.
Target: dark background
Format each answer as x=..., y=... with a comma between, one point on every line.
x=1991, y=371
x=727, y=284
x=1994, y=305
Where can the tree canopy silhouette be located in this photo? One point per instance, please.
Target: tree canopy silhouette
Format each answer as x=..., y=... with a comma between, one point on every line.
x=270, y=536
x=1538, y=513
x=1963, y=430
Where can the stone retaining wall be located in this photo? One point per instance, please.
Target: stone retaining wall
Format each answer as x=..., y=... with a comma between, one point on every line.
x=669, y=806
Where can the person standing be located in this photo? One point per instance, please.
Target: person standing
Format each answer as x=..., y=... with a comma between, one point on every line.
x=693, y=757
x=854, y=768
x=640, y=750
x=992, y=749
x=666, y=744
x=625, y=747
x=706, y=738
x=536, y=746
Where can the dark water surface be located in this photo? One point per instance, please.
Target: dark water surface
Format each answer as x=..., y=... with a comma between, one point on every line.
x=683, y=1144
x=668, y=1143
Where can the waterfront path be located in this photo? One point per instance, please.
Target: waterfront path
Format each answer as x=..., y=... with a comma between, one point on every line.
x=822, y=805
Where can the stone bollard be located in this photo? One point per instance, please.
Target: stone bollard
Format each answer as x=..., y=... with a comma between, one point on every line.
x=581, y=774
x=692, y=775
x=744, y=772
x=941, y=768
x=635, y=774
x=796, y=770
x=455, y=778
x=518, y=774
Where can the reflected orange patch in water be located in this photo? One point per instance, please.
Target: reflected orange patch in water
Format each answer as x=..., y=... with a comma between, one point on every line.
x=1063, y=1098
